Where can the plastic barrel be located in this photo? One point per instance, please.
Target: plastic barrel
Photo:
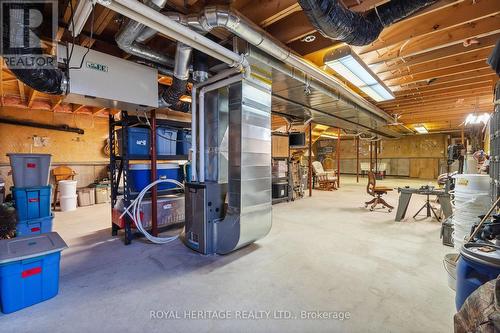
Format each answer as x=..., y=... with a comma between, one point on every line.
x=67, y=188
x=475, y=267
x=68, y=203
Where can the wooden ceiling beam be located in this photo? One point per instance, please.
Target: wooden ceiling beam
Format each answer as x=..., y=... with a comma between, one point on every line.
x=447, y=108
x=441, y=72
x=265, y=13
x=481, y=75
x=22, y=93
x=433, y=23
x=420, y=100
x=98, y=110
x=77, y=108
x=477, y=29
x=466, y=88
x=468, y=102
x=461, y=59
x=32, y=95
x=283, y=31
x=449, y=51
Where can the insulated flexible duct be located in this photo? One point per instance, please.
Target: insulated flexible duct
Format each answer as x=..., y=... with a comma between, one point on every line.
x=39, y=77
x=333, y=20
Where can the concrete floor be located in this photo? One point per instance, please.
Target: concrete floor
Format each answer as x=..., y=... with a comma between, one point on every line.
x=325, y=253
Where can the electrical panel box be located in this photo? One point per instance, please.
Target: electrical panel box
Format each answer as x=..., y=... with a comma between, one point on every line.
x=103, y=80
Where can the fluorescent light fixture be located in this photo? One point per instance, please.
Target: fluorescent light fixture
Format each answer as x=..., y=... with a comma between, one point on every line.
x=420, y=129
x=473, y=119
x=350, y=66
x=81, y=15
x=329, y=136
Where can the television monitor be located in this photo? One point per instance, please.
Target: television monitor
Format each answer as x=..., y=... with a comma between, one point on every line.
x=297, y=139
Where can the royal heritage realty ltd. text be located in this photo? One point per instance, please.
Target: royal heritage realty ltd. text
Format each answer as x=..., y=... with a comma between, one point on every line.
x=248, y=315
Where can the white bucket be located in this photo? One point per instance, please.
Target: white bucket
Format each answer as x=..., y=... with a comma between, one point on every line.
x=472, y=183
x=68, y=203
x=450, y=265
x=67, y=188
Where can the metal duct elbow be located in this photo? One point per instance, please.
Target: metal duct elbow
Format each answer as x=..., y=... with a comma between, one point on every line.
x=172, y=95
x=127, y=39
x=39, y=77
x=333, y=20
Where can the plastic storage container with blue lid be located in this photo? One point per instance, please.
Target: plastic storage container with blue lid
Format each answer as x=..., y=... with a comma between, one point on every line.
x=478, y=264
x=29, y=270
x=140, y=175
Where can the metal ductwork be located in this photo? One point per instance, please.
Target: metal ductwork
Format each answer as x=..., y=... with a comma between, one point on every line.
x=216, y=17
x=131, y=39
x=41, y=78
x=333, y=20
x=230, y=206
x=170, y=97
x=126, y=39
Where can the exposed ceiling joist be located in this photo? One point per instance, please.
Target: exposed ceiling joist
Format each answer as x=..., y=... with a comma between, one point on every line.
x=432, y=23
x=481, y=28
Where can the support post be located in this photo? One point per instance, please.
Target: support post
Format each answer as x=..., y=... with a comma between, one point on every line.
x=338, y=157
x=376, y=156
x=371, y=154
x=154, y=192
x=357, y=159
x=310, y=159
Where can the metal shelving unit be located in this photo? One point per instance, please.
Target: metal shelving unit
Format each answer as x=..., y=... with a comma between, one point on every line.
x=119, y=168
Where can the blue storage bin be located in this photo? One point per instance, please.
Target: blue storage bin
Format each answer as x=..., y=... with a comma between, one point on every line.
x=140, y=175
x=183, y=142
x=166, y=141
x=29, y=270
x=32, y=202
x=138, y=141
x=474, y=268
x=31, y=227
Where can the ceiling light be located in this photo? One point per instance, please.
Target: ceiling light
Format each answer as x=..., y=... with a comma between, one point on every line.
x=350, y=66
x=473, y=119
x=308, y=39
x=80, y=17
x=329, y=136
x=420, y=129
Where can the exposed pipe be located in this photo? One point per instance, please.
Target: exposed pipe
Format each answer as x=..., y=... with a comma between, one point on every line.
x=215, y=17
x=40, y=77
x=155, y=20
x=127, y=39
x=170, y=96
x=333, y=20
x=62, y=128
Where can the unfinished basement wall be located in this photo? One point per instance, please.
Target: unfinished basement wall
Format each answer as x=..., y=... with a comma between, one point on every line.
x=416, y=156
x=84, y=153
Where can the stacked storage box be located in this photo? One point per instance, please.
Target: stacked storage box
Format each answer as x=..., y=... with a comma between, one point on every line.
x=29, y=270
x=138, y=141
x=31, y=193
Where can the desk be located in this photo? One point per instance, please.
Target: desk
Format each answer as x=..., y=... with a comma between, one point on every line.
x=405, y=196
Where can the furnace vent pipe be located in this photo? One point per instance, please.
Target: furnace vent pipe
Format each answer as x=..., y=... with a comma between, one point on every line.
x=333, y=20
x=155, y=20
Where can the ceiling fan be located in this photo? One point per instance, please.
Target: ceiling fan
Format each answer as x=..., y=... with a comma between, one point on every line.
x=396, y=120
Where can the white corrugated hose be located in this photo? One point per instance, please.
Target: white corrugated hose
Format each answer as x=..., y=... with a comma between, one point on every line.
x=136, y=212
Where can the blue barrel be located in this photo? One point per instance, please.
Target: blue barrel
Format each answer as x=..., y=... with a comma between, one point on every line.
x=478, y=264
